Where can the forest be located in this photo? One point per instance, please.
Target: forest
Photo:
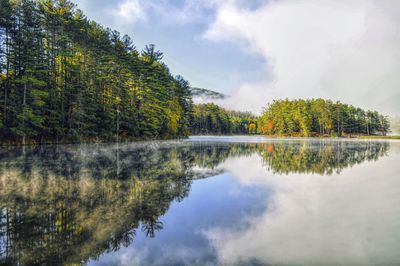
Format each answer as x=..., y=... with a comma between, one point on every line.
x=64, y=77
x=319, y=117
x=210, y=118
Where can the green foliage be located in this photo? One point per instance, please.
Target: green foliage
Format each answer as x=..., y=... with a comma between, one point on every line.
x=320, y=117
x=66, y=78
x=212, y=119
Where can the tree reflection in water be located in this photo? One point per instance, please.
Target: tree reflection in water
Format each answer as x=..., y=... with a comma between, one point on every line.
x=319, y=157
x=69, y=204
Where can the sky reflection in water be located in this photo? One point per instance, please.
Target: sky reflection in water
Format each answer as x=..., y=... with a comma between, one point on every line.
x=204, y=201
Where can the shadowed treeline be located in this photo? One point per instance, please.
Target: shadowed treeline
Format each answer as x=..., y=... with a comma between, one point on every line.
x=69, y=204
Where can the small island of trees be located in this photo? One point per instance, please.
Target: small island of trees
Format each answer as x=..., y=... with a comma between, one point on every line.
x=298, y=118
x=320, y=117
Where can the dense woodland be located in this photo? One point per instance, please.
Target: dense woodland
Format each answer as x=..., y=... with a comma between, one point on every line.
x=64, y=77
x=320, y=117
x=212, y=119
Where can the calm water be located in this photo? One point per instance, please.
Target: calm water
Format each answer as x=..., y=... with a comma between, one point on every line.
x=203, y=201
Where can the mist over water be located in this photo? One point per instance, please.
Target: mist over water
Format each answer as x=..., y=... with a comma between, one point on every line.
x=202, y=201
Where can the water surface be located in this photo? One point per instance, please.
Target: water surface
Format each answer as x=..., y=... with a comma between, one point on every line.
x=202, y=201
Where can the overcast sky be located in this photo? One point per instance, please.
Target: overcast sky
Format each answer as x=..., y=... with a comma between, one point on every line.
x=261, y=50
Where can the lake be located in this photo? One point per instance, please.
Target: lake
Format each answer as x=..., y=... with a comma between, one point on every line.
x=202, y=201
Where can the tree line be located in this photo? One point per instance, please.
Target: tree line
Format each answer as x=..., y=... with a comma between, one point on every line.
x=320, y=117
x=64, y=77
x=210, y=118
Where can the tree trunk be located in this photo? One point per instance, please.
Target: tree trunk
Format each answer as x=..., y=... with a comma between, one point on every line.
x=7, y=77
x=23, y=110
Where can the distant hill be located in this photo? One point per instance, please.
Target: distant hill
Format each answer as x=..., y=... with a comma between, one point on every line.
x=208, y=94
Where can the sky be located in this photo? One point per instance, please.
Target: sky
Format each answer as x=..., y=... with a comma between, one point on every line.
x=261, y=50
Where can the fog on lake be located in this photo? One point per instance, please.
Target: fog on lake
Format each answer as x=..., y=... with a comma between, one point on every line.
x=202, y=201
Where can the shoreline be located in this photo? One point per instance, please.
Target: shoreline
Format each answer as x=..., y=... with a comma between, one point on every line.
x=380, y=137
x=34, y=143
x=300, y=137
x=131, y=140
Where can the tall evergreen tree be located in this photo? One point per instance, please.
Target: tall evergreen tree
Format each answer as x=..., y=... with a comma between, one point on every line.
x=66, y=78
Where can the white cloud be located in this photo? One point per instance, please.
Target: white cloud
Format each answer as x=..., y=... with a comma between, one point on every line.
x=129, y=12
x=343, y=50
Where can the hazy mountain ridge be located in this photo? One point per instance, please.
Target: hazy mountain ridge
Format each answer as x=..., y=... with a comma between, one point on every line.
x=208, y=94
